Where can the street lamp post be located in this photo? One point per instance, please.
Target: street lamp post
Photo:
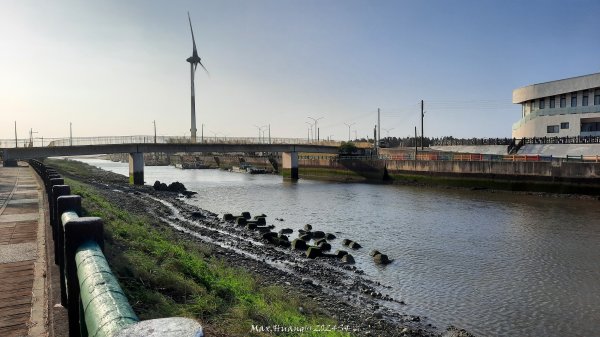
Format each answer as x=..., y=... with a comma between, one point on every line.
x=310, y=130
x=349, y=125
x=315, y=120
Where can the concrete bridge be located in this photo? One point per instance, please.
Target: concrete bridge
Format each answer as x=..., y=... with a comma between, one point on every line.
x=136, y=153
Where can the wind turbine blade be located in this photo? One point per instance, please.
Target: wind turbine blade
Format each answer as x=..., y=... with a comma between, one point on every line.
x=203, y=67
x=192, y=30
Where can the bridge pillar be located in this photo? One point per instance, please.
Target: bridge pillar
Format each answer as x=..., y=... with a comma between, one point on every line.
x=290, y=165
x=136, y=168
x=7, y=160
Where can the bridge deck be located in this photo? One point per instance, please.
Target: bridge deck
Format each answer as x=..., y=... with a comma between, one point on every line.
x=20, y=201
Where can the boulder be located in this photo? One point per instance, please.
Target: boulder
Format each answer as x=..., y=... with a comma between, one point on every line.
x=246, y=215
x=228, y=217
x=260, y=216
x=284, y=243
x=381, y=259
x=197, y=215
x=374, y=252
x=269, y=236
x=340, y=253
x=346, y=242
x=354, y=245
x=260, y=221
x=347, y=259
x=302, y=231
x=306, y=237
x=283, y=237
x=313, y=252
x=329, y=236
x=286, y=231
x=318, y=234
x=299, y=244
x=307, y=227
x=189, y=194
x=176, y=187
x=324, y=246
x=263, y=229
x=251, y=225
x=240, y=221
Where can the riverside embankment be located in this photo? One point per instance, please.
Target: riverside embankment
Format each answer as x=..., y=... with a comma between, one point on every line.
x=174, y=258
x=495, y=263
x=472, y=171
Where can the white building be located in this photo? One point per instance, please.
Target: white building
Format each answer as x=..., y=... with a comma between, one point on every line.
x=569, y=107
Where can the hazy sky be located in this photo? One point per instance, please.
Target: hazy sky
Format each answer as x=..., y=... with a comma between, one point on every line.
x=112, y=67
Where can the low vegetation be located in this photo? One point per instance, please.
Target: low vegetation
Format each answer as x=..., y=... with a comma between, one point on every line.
x=164, y=275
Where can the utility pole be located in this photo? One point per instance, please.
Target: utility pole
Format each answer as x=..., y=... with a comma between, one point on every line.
x=154, y=121
x=258, y=127
x=318, y=133
x=16, y=140
x=202, y=134
x=375, y=138
x=269, y=133
x=31, y=132
x=70, y=134
x=378, y=126
x=416, y=143
x=355, y=134
x=422, y=116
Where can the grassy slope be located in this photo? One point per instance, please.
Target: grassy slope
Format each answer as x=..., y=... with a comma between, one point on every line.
x=163, y=275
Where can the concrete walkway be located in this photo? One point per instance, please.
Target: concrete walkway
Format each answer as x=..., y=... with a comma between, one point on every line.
x=23, y=299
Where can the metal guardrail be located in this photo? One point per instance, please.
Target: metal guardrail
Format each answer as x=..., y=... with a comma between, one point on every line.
x=509, y=141
x=96, y=304
x=146, y=139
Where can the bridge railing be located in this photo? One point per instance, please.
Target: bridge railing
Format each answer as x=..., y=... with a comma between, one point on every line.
x=96, y=304
x=182, y=140
x=137, y=139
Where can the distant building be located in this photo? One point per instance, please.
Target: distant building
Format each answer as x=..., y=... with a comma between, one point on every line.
x=569, y=107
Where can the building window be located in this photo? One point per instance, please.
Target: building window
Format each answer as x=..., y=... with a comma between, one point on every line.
x=597, y=97
x=590, y=126
x=564, y=125
x=574, y=100
x=552, y=128
x=532, y=105
x=552, y=104
x=584, y=98
x=542, y=103
x=563, y=101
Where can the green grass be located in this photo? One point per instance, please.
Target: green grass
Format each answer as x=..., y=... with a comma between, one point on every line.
x=163, y=275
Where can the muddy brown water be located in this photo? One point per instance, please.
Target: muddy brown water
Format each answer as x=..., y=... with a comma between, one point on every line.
x=496, y=264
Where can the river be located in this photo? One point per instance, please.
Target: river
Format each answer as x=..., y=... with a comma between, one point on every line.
x=496, y=264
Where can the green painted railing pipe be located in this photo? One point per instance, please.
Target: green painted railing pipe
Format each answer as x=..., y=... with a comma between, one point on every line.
x=105, y=306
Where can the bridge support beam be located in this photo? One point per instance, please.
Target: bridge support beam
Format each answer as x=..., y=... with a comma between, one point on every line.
x=290, y=165
x=136, y=168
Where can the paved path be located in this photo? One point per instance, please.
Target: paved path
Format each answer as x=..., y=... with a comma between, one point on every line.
x=22, y=254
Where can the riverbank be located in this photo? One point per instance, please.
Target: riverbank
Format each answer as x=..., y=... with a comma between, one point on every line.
x=282, y=287
x=579, y=179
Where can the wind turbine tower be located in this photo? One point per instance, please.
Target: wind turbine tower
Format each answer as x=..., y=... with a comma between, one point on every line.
x=194, y=61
